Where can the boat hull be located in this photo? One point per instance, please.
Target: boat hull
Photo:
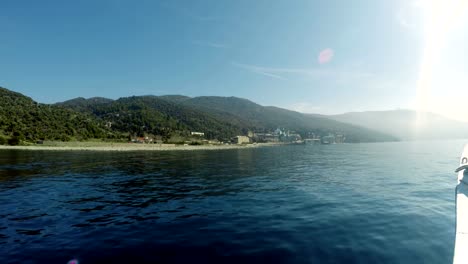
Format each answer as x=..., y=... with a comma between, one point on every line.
x=461, y=236
x=460, y=254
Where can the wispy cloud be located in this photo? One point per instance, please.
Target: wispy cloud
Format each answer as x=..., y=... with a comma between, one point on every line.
x=270, y=72
x=312, y=73
x=210, y=44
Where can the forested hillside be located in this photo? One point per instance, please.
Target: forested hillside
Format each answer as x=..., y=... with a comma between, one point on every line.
x=141, y=115
x=23, y=119
x=255, y=117
x=218, y=117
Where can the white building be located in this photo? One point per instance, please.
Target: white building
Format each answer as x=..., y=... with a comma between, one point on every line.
x=201, y=134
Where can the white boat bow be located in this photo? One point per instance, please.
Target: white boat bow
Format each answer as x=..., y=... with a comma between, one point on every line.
x=460, y=254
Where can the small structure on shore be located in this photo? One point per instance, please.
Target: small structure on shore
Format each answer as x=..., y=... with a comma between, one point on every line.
x=241, y=140
x=312, y=141
x=339, y=139
x=200, y=134
x=142, y=140
x=266, y=137
x=330, y=139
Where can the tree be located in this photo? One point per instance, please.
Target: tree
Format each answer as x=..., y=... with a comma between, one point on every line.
x=3, y=140
x=16, y=139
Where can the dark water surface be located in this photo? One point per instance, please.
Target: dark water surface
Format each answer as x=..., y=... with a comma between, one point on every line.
x=352, y=203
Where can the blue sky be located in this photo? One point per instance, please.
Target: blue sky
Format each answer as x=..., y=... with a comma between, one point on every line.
x=265, y=51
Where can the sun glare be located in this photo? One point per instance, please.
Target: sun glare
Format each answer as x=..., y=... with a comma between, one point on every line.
x=441, y=17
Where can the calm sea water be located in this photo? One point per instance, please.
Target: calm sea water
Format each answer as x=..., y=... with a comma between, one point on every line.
x=351, y=203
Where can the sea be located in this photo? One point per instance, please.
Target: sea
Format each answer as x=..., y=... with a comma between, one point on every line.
x=343, y=203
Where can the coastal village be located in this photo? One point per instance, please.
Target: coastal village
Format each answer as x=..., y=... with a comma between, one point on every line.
x=279, y=136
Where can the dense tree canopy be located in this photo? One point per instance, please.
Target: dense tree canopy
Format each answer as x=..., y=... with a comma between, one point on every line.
x=23, y=120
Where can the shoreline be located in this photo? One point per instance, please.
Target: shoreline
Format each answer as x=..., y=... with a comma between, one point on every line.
x=123, y=147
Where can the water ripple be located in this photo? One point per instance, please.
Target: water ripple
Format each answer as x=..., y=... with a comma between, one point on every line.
x=381, y=203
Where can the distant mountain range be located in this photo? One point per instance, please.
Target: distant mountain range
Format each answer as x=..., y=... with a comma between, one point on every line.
x=167, y=116
x=407, y=124
x=218, y=117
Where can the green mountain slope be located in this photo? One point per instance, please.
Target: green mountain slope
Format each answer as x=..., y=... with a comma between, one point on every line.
x=28, y=120
x=141, y=115
x=218, y=117
x=252, y=116
x=166, y=116
x=82, y=104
